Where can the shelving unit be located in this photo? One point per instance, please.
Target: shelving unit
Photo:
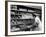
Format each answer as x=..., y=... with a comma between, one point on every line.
x=19, y=16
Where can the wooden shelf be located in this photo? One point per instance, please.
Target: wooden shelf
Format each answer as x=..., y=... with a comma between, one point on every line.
x=26, y=11
x=21, y=19
x=22, y=11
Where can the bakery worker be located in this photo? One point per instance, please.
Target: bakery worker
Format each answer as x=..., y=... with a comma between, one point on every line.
x=38, y=21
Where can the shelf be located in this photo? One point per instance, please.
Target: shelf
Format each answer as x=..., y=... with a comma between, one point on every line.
x=15, y=14
x=25, y=11
x=20, y=19
x=26, y=7
x=22, y=11
x=19, y=14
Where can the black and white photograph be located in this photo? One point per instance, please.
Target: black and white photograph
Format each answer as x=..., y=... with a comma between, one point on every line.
x=25, y=18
